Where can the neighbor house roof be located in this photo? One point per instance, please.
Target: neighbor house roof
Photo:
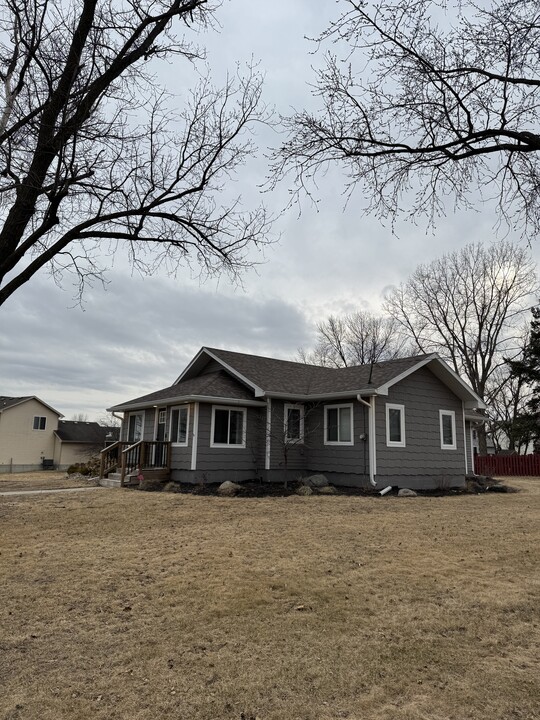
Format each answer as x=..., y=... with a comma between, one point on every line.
x=247, y=378
x=84, y=432
x=8, y=402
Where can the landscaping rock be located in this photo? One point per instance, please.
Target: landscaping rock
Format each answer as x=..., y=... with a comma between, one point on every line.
x=315, y=481
x=229, y=489
x=406, y=492
x=327, y=490
x=304, y=490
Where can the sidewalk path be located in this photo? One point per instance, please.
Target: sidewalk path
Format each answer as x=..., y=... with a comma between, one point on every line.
x=56, y=490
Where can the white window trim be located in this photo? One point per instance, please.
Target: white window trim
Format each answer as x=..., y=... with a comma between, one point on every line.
x=38, y=429
x=236, y=446
x=334, y=407
x=179, y=407
x=286, y=408
x=139, y=412
x=452, y=414
x=395, y=443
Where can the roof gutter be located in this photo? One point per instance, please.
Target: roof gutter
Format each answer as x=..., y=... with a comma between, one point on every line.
x=320, y=396
x=372, y=446
x=185, y=399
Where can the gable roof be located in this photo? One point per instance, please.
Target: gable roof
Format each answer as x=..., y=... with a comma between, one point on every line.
x=244, y=378
x=8, y=402
x=84, y=432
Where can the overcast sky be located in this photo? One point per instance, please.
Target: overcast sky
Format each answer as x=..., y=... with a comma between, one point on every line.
x=137, y=334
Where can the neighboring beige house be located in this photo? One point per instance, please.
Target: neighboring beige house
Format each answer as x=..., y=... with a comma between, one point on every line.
x=78, y=441
x=33, y=437
x=27, y=427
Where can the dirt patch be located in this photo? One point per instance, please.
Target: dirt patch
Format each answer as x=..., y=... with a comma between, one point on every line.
x=126, y=604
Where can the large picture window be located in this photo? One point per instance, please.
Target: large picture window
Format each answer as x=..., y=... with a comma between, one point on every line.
x=395, y=425
x=293, y=419
x=338, y=424
x=179, y=425
x=447, y=420
x=228, y=427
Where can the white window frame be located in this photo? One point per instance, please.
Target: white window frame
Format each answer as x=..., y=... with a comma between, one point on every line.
x=452, y=415
x=401, y=408
x=39, y=418
x=286, y=408
x=338, y=407
x=174, y=443
x=142, y=413
x=237, y=446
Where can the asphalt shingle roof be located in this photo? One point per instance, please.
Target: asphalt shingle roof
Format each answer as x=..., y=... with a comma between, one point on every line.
x=284, y=376
x=6, y=402
x=215, y=384
x=84, y=432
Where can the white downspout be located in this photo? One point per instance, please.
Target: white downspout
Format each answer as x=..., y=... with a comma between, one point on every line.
x=371, y=438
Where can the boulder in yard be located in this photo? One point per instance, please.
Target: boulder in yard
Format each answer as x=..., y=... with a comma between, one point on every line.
x=327, y=490
x=315, y=481
x=406, y=492
x=304, y=490
x=229, y=489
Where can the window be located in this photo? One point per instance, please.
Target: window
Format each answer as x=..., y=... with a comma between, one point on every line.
x=179, y=425
x=447, y=420
x=228, y=427
x=395, y=425
x=338, y=424
x=135, y=427
x=162, y=417
x=39, y=422
x=293, y=421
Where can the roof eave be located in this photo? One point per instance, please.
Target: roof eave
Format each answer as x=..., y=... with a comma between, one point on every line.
x=256, y=389
x=182, y=399
x=321, y=396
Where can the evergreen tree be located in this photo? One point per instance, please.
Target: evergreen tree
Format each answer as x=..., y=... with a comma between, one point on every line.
x=528, y=369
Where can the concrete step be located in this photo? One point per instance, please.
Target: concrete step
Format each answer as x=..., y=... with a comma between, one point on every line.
x=110, y=482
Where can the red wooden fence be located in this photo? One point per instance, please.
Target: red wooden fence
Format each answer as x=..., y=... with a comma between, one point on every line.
x=507, y=464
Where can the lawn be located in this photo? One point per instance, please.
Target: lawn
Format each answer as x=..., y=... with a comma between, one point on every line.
x=120, y=604
x=41, y=480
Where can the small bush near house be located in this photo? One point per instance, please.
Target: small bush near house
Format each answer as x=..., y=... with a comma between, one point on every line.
x=151, y=485
x=90, y=468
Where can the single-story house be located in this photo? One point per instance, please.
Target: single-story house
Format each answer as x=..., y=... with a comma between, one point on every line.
x=233, y=416
x=79, y=441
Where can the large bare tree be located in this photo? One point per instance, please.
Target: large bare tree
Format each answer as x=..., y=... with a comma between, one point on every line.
x=359, y=338
x=469, y=306
x=424, y=102
x=94, y=154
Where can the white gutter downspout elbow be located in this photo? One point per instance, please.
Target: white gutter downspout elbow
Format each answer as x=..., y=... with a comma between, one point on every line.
x=371, y=437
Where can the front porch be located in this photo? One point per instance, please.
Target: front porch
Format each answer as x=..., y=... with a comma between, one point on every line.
x=122, y=462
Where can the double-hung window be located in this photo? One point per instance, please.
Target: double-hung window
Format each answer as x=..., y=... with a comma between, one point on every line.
x=293, y=423
x=40, y=422
x=338, y=424
x=179, y=425
x=395, y=425
x=228, y=427
x=447, y=422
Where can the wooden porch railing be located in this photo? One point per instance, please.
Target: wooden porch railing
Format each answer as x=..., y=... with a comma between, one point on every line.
x=126, y=458
x=507, y=465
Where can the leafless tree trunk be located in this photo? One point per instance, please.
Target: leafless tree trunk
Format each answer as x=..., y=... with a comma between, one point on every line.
x=92, y=155
x=424, y=102
x=468, y=306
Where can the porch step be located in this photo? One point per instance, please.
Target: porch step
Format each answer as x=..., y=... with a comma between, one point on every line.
x=111, y=482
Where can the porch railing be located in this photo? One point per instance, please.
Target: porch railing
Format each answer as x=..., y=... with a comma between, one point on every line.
x=126, y=458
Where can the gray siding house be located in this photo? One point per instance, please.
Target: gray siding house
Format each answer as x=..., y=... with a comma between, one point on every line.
x=233, y=416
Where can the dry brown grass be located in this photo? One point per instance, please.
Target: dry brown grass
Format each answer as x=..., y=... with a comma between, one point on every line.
x=41, y=480
x=122, y=604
